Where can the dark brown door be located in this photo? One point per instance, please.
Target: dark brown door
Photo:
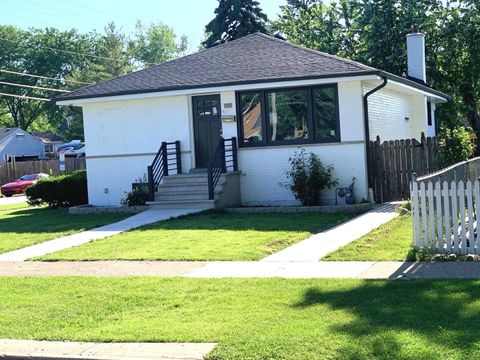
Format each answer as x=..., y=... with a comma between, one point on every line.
x=207, y=127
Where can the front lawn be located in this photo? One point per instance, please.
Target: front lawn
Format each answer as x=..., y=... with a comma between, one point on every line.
x=21, y=225
x=207, y=236
x=253, y=318
x=391, y=241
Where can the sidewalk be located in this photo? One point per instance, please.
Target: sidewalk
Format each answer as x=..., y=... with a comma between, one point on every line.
x=23, y=349
x=321, y=244
x=390, y=270
x=47, y=247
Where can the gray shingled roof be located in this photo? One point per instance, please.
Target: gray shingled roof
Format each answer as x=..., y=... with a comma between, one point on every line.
x=4, y=132
x=251, y=59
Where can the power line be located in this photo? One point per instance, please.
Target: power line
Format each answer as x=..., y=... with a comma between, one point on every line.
x=73, y=52
x=44, y=77
x=24, y=97
x=33, y=87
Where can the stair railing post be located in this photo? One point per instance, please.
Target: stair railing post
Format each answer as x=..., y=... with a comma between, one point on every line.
x=164, y=158
x=234, y=154
x=210, y=181
x=151, y=184
x=179, y=157
x=223, y=161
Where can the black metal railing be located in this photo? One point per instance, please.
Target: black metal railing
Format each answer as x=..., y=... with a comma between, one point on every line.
x=224, y=158
x=167, y=161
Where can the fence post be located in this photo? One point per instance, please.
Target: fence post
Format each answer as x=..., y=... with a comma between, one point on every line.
x=415, y=210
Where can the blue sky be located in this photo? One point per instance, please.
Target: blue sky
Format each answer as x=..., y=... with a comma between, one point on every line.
x=187, y=17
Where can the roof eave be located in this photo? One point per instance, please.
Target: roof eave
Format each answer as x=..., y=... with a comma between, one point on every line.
x=65, y=98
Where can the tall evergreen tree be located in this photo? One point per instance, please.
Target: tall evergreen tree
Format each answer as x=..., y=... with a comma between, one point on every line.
x=234, y=19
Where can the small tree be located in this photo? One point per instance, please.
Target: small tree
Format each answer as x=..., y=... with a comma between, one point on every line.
x=455, y=146
x=308, y=177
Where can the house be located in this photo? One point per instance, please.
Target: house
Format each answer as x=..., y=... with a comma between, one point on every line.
x=268, y=94
x=19, y=145
x=50, y=140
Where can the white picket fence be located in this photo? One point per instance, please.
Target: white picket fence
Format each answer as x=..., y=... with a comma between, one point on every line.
x=445, y=216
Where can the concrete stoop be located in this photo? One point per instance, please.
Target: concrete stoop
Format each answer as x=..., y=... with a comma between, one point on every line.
x=191, y=191
x=62, y=350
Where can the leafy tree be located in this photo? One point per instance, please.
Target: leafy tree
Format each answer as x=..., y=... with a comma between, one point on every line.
x=234, y=19
x=373, y=32
x=156, y=43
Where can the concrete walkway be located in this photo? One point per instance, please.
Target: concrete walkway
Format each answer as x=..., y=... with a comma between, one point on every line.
x=249, y=269
x=47, y=247
x=321, y=244
x=23, y=349
x=12, y=200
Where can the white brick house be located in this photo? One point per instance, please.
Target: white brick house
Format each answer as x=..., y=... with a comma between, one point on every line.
x=270, y=95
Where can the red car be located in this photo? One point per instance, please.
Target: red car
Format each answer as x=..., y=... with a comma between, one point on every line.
x=19, y=186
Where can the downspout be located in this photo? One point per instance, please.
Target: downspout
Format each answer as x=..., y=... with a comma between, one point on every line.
x=367, y=127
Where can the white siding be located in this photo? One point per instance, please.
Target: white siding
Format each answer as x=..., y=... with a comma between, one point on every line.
x=122, y=138
x=388, y=110
x=263, y=172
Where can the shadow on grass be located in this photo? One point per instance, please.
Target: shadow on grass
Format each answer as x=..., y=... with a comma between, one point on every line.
x=442, y=316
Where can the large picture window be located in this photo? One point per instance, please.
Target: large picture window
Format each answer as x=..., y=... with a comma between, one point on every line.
x=288, y=116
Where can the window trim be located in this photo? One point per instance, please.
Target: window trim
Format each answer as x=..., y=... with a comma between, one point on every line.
x=429, y=113
x=311, y=117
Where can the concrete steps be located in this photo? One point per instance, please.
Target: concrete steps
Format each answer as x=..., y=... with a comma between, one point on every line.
x=183, y=191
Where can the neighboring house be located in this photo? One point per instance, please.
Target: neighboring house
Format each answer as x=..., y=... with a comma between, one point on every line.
x=18, y=144
x=271, y=95
x=52, y=141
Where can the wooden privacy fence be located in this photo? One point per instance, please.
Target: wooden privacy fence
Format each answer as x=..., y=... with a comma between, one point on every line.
x=444, y=207
x=393, y=163
x=13, y=170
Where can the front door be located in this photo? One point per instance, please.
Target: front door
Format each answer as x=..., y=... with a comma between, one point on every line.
x=207, y=127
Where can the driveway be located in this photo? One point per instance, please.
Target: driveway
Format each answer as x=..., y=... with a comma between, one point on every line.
x=12, y=200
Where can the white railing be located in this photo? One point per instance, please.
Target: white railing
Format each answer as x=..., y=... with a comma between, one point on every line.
x=444, y=208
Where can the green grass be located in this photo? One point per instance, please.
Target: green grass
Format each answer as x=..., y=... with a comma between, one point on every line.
x=254, y=318
x=391, y=241
x=21, y=225
x=207, y=236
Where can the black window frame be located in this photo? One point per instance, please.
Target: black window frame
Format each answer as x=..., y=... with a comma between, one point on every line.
x=311, y=117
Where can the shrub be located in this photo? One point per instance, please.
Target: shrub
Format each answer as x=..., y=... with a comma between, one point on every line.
x=60, y=191
x=137, y=197
x=139, y=194
x=455, y=146
x=308, y=177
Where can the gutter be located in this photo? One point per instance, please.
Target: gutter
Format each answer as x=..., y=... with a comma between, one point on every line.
x=366, y=124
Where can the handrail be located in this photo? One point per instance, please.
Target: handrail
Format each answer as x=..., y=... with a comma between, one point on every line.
x=161, y=165
x=224, y=157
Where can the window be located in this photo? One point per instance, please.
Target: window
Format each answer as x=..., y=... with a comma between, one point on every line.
x=288, y=116
x=326, y=122
x=251, y=117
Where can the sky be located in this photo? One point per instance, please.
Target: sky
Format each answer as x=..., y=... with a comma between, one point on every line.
x=186, y=17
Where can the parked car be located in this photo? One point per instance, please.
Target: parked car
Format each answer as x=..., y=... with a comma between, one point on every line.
x=19, y=186
x=73, y=148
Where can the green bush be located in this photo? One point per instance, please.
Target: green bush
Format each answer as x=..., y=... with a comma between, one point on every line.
x=60, y=191
x=137, y=197
x=308, y=177
x=455, y=146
